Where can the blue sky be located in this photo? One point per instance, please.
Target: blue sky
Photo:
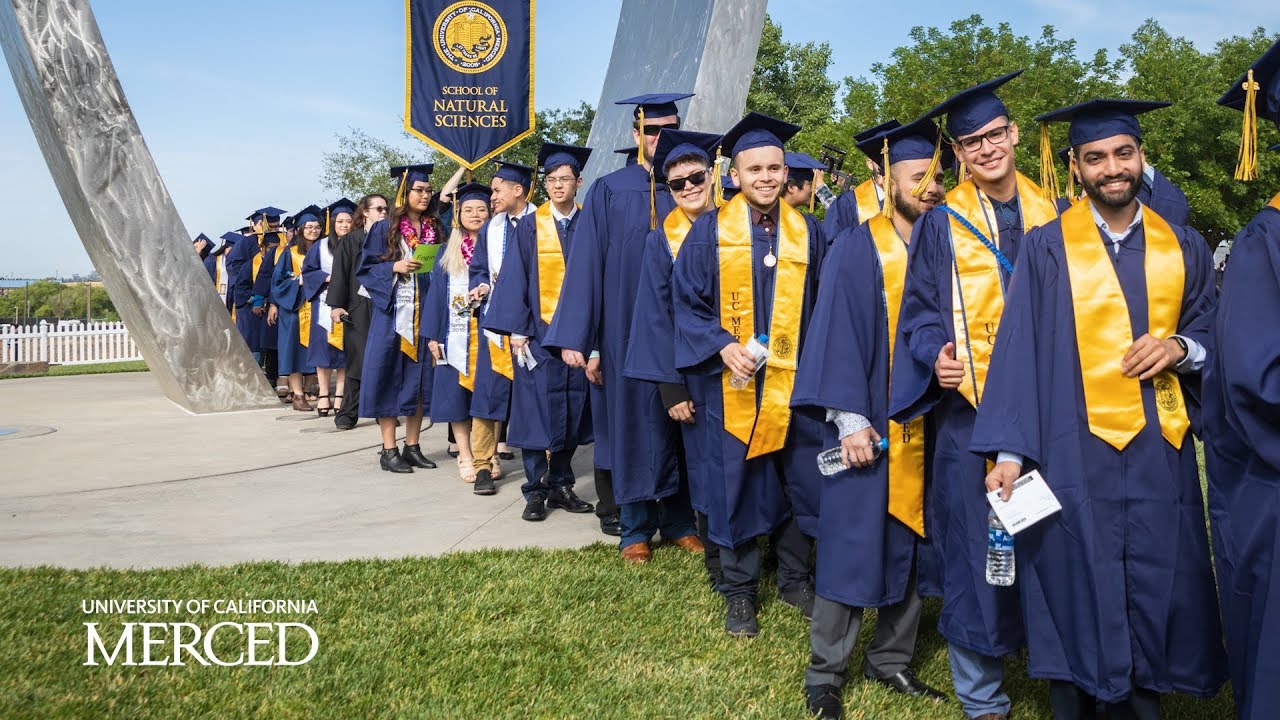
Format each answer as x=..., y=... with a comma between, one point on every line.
x=239, y=100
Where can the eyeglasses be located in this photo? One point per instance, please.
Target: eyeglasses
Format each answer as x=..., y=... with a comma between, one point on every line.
x=653, y=130
x=557, y=181
x=378, y=208
x=696, y=180
x=995, y=136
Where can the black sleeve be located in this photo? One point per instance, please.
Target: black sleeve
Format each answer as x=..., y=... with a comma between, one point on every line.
x=340, y=278
x=673, y=394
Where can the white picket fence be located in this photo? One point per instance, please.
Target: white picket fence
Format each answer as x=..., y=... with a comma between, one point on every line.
x=71, y=344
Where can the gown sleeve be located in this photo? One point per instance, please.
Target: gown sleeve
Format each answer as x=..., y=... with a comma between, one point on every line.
x=376, y=275
x=313, y=277
x=509, y=312
x=921, y=330
x=695, y=289
x=650, y=350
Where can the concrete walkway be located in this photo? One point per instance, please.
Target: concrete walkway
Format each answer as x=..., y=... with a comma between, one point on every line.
x=130, y=480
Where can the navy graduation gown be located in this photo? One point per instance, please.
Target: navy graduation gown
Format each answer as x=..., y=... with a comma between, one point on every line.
x=1242, y=457
x=1117, y=588
x=287, y=294
x=391, y=384
x=315, y=281
x=602, y=274
x=842, y=215
x=549, y=404
x=210, y=263
x=450, y=402
x=651, y=356
x=864, y=554
x=1167, y=199
x=744, y=498
x=492, y=396
x=262, y=286
x=975, y=615
x=240, y=271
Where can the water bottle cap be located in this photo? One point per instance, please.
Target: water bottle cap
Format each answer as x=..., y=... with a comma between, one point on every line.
x=884, y=443
x=764, y=339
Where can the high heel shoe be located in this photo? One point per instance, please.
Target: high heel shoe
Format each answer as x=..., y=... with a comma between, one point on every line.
x=323, y=411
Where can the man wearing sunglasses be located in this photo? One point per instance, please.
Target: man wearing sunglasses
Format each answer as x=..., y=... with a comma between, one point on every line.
x=593, y=318
x=962, y=257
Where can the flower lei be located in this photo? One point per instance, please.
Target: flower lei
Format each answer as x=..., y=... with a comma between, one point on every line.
x=468, y=248
x=410, y=235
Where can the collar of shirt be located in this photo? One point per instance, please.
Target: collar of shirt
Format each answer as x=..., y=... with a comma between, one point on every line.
x=1115, y=237
x=1149, y=174
x=558, y=217
x=879, y=191
x=767, y=220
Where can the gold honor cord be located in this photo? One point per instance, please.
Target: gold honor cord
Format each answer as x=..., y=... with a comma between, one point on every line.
x=304, y=307
x=1112, y=401
x=906, y=442
x=468, y=381
x=867, y=200
x=763, y=431
x=977, y=294
x=676, y=227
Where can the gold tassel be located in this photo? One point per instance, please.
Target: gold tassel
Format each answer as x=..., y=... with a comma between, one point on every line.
x=813, y=194
x=717, y=192
x=640, y=155
x=961, y=172
x=1071, y=175
x=887, y=210
x=401, y=195
x=653, y=202
x=328, y=221
x=922, y=187
x=1247, y=166
x=1048, y=173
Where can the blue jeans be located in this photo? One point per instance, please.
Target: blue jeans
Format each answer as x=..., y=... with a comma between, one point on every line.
x=538, y=479
x=672, y=516
x=977, y=679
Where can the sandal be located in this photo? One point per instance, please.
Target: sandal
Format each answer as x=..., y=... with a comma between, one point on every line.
x=453, y=450
x=337, y=404
x=467, y=470
x=324, y=411
x=495, y=467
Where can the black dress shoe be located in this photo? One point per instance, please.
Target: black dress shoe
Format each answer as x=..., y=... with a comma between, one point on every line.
x=343, y=422
x=563, y=498
x=391, y=461
x=506, y=456
x=823, y=702
x=740, y=617
x=484, y=485
x=611, y=525
x=907, y=683
x=413, y=455
x=800, y=598
x=535, y=508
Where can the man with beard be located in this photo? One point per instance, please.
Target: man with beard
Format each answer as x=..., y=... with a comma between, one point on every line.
x=856, y=206
x=1107, y=325
x=870, y=517
x=751, y=269
x=961, y=258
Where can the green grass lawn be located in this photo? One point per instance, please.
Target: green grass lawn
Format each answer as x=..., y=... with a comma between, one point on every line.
x=494, y=634
x=94, y=369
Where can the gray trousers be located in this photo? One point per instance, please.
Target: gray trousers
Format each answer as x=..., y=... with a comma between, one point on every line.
x=833, y=632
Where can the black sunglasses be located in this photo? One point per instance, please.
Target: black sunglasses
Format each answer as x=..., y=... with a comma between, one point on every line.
x=695, y=180
x=653, y=130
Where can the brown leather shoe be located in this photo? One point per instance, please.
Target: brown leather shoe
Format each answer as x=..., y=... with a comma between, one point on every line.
x=689, y=543
x=300, y=404
x=637, y=553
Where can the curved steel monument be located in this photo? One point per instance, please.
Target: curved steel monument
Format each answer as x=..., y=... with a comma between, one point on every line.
x=130, y=227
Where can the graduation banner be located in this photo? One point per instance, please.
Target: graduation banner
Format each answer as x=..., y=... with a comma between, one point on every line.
x=469, y=75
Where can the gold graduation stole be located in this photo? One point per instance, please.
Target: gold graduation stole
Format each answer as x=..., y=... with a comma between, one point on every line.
x=257, y=261
x=906, y=442
x=1112, y=401
x=468, y=381
x=500, y=359
x=676, y=227
x=1275, y=202
x=762, y=430
x=304, y=308
x=335, y=336
x=867, y=200
x=977, y=295
x=550, y=262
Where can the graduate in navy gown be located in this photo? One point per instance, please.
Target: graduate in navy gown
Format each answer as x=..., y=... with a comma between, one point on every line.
x=872, y=516
x=216, y=266
x=1107, y=325
x=512, y=186
x=550, y=413
x=451, y=325
x=804, y=177
x=273, y=245
x=854, y=207
x=244, y=267
x=682, y=162
x=325, y=351
x=1242, y=438
x=761, y=478
x=592, y=326
x=396, y=377
x=1160, y=194
x=290, y=308
x=942, y=374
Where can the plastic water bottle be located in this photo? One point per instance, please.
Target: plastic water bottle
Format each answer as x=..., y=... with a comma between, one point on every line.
x=831, y=461
x=759, y=349
x=999, y=552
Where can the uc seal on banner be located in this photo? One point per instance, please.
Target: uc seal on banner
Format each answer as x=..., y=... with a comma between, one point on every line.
x=470, y=36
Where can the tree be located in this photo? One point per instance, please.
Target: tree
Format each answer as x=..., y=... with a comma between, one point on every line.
x=50, y=299
x=791, y=82
x=360, y=165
